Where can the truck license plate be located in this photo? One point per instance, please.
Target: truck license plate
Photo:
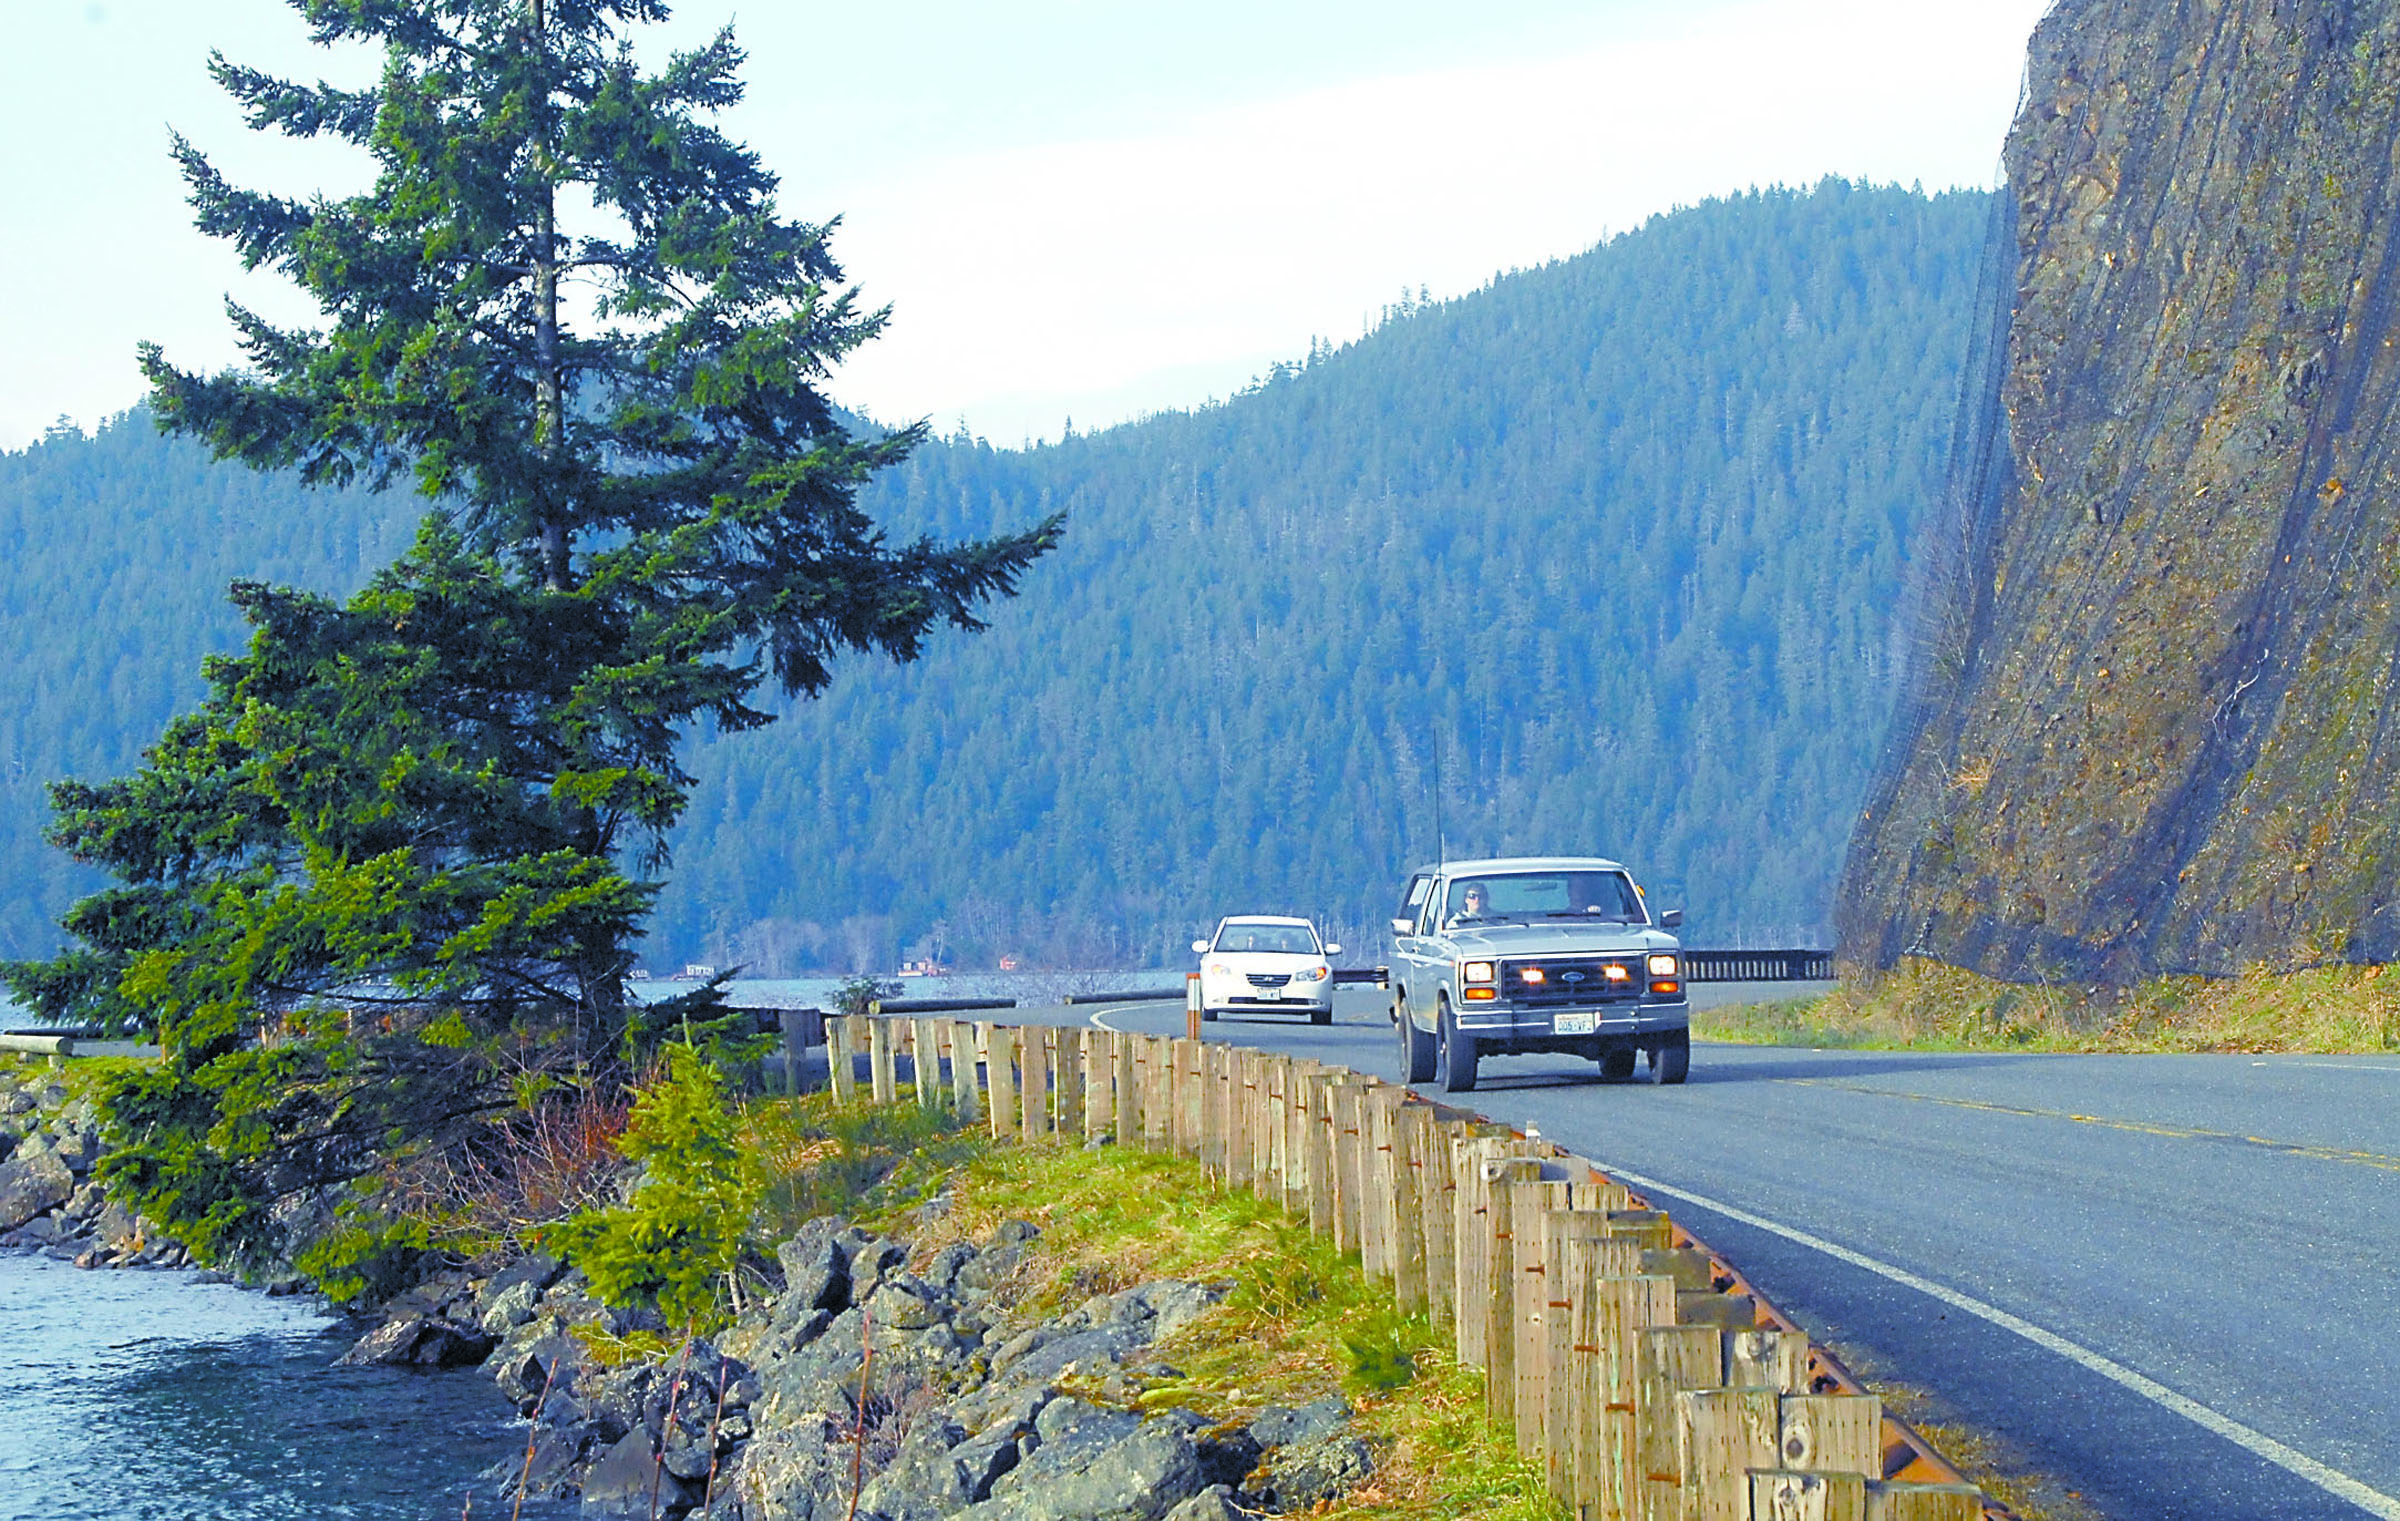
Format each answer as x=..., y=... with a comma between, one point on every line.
x=1573, y=1024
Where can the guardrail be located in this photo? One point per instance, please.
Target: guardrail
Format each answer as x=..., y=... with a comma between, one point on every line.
x=1757, y=966
x=1637, y=1367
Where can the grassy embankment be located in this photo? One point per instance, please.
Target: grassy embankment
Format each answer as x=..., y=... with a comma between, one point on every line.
x=1922, y=1005
x=1298, y=1321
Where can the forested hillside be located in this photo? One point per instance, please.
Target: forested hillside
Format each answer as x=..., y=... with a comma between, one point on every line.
x=120, y=550
x=1616, y=540
x=1611, y=545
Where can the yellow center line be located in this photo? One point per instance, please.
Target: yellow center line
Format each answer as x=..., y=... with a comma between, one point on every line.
x=2171, y=1132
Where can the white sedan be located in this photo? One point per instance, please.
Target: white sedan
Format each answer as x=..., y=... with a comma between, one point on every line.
x=1265, y=963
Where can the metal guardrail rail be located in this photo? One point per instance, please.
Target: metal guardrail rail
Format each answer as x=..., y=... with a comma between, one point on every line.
x=1757, y=966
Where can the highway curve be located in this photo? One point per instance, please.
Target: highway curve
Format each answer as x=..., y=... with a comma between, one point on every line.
x=2160, y=1280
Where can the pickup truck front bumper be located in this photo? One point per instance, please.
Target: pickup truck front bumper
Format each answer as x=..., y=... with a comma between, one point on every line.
x=1501, y=1027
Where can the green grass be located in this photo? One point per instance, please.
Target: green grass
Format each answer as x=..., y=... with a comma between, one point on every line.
x=1298, y=1320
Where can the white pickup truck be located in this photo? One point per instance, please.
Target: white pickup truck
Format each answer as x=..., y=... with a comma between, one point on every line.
x=1517, y=955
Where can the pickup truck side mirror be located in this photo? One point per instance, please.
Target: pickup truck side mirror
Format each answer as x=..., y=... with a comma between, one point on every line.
x=1333, y=950
x=1404, y=926
x=1672, y=918
x=1199, y=947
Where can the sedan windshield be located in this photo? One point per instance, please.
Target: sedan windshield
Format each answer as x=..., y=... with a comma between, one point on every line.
x=1605, y=896
x=1282, y=939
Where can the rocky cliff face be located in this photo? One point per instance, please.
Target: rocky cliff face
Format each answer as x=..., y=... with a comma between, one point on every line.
x=2151, y=724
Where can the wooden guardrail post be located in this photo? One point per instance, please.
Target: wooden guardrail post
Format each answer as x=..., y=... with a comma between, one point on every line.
x=1158, y=1093
x=1437, y=1200
x=1500, y=1274
x=1530, y=1206
x=1720, y=1436
x=1033, y=1082
x=1125, y=1052
x=1000, y=1072
x=1067, y=1069
x=1623, y=1309
x=1241, y=1129
x=1211, y=1079
x=1396, y=1134
x=925, y=1058
x=1673, y=1361
x=838, y=1070
x=965, y=1069
x=1299, y=1140
x=1349, y=1185
x=885, y=1086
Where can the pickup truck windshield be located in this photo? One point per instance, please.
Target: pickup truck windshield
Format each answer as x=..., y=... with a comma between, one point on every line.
x=1605, y=897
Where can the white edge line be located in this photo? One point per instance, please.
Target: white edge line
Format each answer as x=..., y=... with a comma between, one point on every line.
x=2332, y=1481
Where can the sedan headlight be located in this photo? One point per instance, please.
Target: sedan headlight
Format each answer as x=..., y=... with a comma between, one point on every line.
x=1476, y=971
x=1310, y=974
x=1219, y=969
x=1662, y=966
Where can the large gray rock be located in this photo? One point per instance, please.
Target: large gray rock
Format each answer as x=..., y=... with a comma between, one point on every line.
x=33, y=1182
x=535, y=1271
x=1139, y=1477
x=629, y=1482
x=422, y=1342
x=816, y=1271
x=1324, y=1467
x=799, y=1471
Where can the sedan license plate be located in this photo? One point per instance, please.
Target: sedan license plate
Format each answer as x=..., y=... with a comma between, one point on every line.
x=1574, y=1024
x=1271, y=995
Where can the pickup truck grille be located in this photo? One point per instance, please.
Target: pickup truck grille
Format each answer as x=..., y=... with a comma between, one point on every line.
x=1571, y=980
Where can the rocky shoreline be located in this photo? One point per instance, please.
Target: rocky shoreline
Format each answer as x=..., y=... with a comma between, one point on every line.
x=907, y=1380
x=48, y=1200
x=880, y=1381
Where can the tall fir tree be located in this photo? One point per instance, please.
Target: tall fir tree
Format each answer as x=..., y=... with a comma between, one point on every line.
x=404, y=845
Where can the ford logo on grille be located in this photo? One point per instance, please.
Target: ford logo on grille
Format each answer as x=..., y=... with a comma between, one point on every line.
x=1570, y=977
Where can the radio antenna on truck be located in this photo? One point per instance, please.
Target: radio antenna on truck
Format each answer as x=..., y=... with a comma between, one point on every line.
x=1441, y=841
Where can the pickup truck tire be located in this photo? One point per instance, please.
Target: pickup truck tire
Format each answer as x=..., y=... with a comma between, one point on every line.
x=1671, y=1058
x=1454, y=1056
x=1416, y=1048
x=1617, y=1066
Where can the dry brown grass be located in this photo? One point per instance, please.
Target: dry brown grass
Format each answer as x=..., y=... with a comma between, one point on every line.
x=1926, y=1005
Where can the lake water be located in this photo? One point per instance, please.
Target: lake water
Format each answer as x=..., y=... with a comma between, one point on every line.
x=145, y=1396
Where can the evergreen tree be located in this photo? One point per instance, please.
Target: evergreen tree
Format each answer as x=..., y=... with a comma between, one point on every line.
x=391, y=850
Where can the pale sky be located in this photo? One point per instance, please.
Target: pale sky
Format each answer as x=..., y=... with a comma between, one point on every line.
x=1085, y=208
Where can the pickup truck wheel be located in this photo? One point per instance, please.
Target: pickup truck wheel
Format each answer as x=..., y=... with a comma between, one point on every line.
x=1671, y=1058
x=1416, y=1048
x=1616, y=1066
x=1454, y=1056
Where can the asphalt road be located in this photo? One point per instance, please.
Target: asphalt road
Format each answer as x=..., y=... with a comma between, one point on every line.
x=2160, y=1279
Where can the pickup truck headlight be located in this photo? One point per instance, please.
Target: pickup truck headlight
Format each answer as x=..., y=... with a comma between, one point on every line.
x=1662, y=966
x=1475, y=971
